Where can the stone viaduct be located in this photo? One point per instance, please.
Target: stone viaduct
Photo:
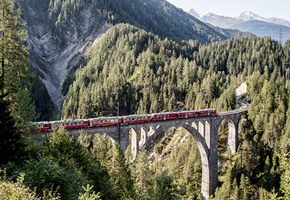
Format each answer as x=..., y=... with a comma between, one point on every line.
x=203, y=129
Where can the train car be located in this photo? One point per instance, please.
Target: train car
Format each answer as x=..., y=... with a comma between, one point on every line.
x=135, y=119
x=41, y=126
x=207, y=112
x=75, y=123
x=56, y=124
x=105, y=121
x=164, y=116
x=213, y=112
x=187, y=114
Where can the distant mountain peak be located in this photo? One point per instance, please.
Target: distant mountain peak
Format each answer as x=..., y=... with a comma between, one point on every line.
x=210, y=14
x=248, y=15
x=194, y=13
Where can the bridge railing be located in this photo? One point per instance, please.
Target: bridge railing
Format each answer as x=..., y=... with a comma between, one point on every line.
x=237, y=111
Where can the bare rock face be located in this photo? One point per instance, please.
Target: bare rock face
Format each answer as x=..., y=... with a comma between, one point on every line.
x=242, y=89
x=55, y=51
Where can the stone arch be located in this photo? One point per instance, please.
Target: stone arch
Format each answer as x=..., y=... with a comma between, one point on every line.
x=233, y=130
x=232, y=136
x=209, y=170
x=99, y=131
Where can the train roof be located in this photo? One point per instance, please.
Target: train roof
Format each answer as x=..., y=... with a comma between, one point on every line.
x=103, y=118
x=42, y=122
x=138, y=115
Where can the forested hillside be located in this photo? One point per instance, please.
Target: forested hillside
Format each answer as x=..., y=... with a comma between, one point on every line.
x=131, y=65
x=146, y=74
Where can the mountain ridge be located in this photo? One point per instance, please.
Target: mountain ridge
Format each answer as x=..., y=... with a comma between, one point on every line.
x=276, y=28
x=244, y=16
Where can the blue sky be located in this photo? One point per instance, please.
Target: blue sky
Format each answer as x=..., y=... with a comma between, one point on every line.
x=233, y=8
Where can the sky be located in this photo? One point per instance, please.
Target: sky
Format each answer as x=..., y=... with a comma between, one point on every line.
x=233, y=8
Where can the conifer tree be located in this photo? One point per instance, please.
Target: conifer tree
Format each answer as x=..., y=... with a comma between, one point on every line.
x=23, y=110
x=14, y=64
x=142, y=175
x=13, y=52
x=11, y=145
x=164, y=188
x=119, y=173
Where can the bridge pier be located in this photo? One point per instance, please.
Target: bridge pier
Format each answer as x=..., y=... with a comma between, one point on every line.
x=124, y=138
x=144, y=135
x=233, y=136
x=138, y=139
x=210, y=171
x=134, y=144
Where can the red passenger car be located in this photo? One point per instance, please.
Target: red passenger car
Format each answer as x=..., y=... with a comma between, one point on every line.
x=187, y=114
x=164, y=116
x=212, y=112
x=105, y=121
x=207, y=112
x=41, y=126
x=136, y=119
x=75, y=123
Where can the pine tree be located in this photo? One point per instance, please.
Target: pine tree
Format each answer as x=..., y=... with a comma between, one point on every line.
x=119, y=174
x=285, y=162
x=11, y=145
x=23, y=109
x=142, y=175
x=164, y=188
x=13, y=52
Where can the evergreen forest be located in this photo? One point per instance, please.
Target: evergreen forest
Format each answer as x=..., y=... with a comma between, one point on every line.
x=145, y=72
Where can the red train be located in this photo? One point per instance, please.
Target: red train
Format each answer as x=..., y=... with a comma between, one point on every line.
x=122, y=120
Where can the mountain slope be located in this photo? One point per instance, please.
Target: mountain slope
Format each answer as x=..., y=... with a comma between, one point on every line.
x=220, y=21
x=60, y=32
x=163, y=19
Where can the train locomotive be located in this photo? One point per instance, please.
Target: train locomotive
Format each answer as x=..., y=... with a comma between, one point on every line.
x=69, y=124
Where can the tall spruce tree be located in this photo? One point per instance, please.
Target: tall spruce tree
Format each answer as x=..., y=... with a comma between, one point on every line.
x=13, y=75
x=11, y=146
x=14, y=59
x=13, y=51
x=142, y=175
